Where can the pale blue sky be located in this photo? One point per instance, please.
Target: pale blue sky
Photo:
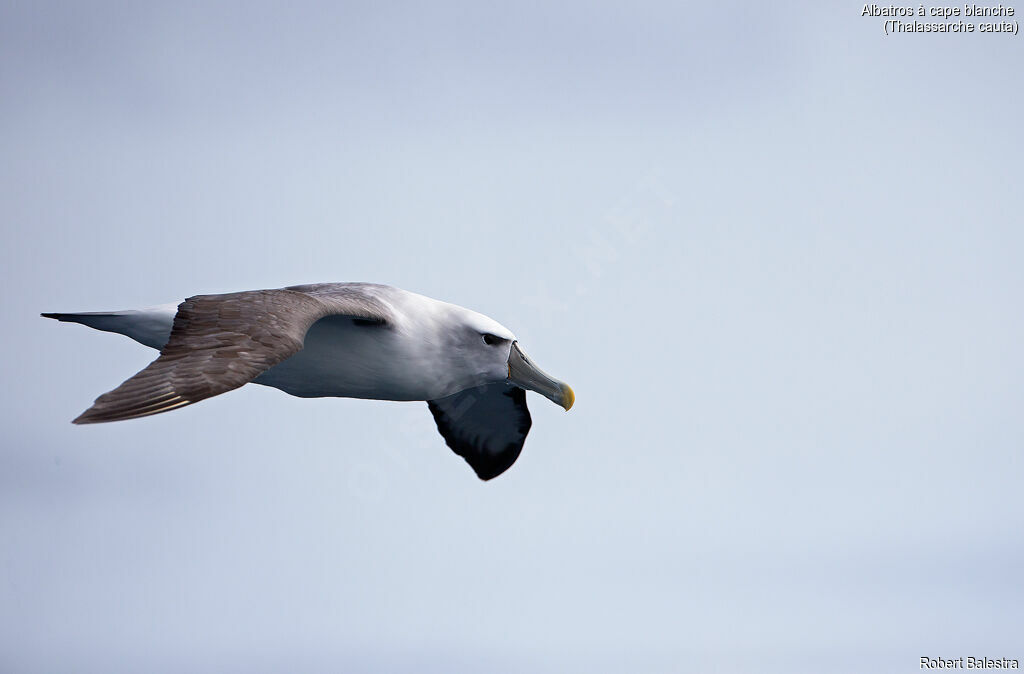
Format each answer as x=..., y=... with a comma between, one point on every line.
x=776, y=253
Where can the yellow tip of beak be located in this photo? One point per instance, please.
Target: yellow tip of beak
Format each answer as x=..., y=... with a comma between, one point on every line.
x=568, y=397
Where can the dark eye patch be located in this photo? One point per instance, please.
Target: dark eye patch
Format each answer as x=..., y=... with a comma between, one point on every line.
x=491, y=340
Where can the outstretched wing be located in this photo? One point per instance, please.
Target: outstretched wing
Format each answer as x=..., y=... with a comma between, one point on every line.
x=486, y=425
x=220, y=342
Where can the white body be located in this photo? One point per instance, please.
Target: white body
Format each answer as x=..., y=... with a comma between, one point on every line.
x=431, y=350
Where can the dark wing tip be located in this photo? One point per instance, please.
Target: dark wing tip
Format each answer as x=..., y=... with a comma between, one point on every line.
x=488, y=470
x=485, y=466
x=121, y=408
x=49, y=315
x=91, y=416
x=462, y=433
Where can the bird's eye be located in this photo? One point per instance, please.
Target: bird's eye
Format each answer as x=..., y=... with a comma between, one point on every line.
x=491, y=340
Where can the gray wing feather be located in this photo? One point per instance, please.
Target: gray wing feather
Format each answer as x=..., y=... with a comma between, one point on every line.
x=221, y=342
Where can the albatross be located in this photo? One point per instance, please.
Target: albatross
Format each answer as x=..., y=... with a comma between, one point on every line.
x=343, y=340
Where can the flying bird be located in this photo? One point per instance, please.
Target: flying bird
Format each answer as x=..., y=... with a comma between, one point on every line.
x=344, y=340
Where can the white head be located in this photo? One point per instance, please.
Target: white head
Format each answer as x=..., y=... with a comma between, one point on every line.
x=491, y=354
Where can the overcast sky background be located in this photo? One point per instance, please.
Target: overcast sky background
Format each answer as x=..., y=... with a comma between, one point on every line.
x=777, y=254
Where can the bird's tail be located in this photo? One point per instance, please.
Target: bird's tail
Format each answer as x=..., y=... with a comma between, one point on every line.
x=151, y=327
x=108, y=321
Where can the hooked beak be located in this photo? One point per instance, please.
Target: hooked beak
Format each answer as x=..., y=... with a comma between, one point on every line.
x=522, y=372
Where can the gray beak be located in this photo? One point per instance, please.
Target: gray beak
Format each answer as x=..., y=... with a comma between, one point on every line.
x=523, y=373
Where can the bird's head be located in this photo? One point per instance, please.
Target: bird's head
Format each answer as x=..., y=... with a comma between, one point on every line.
x=494, y=354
